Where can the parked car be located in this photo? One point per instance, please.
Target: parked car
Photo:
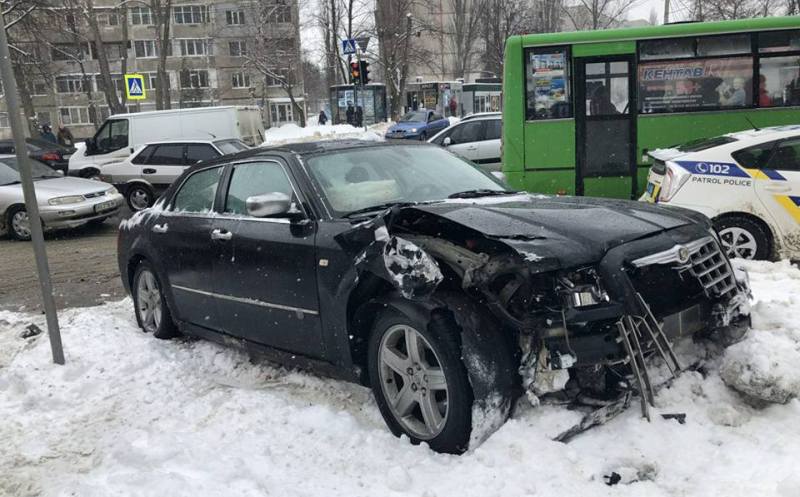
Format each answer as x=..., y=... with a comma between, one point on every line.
x=417, y=125
x=476, y=139
x=748, y=183
x=63, y=202
x=479, y=115
x=145, y=175
x=406, y=268
x=54, y=155
x=120, y=135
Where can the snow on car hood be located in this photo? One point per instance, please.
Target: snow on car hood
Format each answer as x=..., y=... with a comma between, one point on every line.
x=665, y=154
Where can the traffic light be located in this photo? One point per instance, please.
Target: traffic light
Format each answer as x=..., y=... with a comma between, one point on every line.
x=364, y=72
x=355, y=73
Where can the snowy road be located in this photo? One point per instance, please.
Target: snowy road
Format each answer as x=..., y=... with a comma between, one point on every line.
x=133, y=416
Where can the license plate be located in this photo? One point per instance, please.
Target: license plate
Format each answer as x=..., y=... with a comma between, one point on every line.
x=105, y=206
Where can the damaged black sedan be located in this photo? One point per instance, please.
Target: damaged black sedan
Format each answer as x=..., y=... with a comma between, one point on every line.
x=409, y=270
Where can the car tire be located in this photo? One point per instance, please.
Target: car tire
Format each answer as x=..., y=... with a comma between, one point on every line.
x=18, y=223
x=419, y=377
x=150, y=305
x=139, y=197
x=423, y=136
x=744, y=238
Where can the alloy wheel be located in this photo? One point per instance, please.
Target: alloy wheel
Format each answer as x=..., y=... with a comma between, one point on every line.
x=148, y=301
x=21, y=224
x=413, y=382
x=738, y=242
x=139, y=198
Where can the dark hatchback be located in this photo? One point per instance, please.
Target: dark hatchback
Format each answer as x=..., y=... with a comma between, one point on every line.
x=54, y=155
x=405, y=268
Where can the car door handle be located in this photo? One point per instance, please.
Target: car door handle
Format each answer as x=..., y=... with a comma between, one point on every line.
x=472, y=148
x=160, y=228
x=149, y=170
x=778, y=188
x=219, y=234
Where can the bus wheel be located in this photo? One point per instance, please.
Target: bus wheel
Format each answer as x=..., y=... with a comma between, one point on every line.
x=744, y=238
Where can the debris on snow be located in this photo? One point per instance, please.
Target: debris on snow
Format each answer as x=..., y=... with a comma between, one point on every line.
x=30, y=331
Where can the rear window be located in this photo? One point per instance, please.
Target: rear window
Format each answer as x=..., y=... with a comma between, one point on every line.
x=705, y=143
x=230, y=146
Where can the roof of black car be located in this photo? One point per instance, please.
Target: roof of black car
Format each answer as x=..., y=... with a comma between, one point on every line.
x=306, y=149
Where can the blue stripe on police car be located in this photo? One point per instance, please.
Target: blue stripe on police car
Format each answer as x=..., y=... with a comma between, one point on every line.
x=713, y=168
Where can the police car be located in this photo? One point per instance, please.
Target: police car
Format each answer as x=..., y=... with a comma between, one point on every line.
x=747, y=182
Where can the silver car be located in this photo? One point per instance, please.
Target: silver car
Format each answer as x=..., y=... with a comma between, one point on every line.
x=63, y=201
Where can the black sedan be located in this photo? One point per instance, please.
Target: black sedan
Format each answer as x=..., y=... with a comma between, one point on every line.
x=407, y=269
x=54, y=155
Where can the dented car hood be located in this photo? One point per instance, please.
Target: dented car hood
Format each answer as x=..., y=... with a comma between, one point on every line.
x=564, y=231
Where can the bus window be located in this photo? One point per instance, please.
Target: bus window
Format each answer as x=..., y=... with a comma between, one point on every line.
x=547, y=83
x=674, y=48
x=779, y=81
x=778, y=41
x=724, y=45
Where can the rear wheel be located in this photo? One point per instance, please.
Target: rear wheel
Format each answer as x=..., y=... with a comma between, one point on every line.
x=152, y=313
x=19, y=224
x=744, y=238
x=139, y=197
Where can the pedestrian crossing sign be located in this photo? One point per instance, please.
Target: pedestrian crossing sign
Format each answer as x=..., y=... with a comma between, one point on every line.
x=134, y=86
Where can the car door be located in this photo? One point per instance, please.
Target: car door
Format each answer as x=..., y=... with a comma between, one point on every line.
x=465, y=140
x=164, y=165
x=181, y=237
x=778, y=189
x=489, y=146
x=436, y=123
x=125, y=171
x=265, y=280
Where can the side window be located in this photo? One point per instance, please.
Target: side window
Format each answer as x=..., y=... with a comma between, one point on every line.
x=195, y=152
x=142, y=157
x=754, y=157
x=256, y=178
x=198, y=191
x=547, y=90
x=786, y=156
x=494, y=128
x=467, y=133
x=436, y=117
x=167, y=155
x=112, y=136
x=7, y=149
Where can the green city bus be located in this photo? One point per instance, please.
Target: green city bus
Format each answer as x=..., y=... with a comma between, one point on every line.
x=582, y=109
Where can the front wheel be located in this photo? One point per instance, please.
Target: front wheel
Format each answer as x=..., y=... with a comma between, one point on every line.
x=19, y=224
x=744, y=238
x=139, y=197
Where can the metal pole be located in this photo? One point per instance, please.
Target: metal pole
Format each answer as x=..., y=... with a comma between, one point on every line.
x=37, y=239
x=666, y=11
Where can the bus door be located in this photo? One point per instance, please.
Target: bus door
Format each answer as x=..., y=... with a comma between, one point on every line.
x=605, y=120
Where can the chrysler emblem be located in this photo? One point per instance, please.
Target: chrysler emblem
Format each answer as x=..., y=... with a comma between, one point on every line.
x=683, y=255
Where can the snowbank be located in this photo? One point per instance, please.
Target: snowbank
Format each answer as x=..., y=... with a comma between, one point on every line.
x=292, y=133
x=129, y=415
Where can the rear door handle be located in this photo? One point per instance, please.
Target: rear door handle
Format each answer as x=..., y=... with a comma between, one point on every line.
x=149, y=170
x=778, y=188
x=160, y=228
x=219, y=234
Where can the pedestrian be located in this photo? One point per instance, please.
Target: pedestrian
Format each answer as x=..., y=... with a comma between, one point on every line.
x=47, y=134
x=359, y=116
x=350, y=114
x=453, y=105
x=65, y=137
x=322, y=119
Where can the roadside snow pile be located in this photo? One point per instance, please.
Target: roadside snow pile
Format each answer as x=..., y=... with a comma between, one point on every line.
x=129, y=415
x=766, y=364
x=292, y=133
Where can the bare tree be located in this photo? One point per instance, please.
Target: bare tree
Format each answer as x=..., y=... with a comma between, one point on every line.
x=161, y=11
x=547, y=15
x=716, y=10
x=503, y=18
x=597, y=14
x=394, y=29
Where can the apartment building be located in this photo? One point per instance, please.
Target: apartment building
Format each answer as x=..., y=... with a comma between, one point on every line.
x=210, y=61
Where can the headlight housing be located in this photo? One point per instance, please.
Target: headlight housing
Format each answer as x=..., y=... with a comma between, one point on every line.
x=112, y=191
x=69, y=199
x=581, y=288
x=413, y=130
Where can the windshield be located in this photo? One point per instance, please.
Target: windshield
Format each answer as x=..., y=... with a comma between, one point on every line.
x=417, y=116
x=9, y=171
x=230, y=146
x=353, y=180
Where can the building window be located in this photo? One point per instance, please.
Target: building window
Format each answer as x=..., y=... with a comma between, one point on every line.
x=43, y=117
x=72, y=84
x=237, y=48
x=190, y=14
x=113, y=51
x=140, y=16
x=145, y=49
x=194, y=79
x=234, y=17
x=4, y=123
x=279, y=12
x=69, y=52
x=40, y=88
x=108, y=19
x=281, y=113
x=195, y=46
x=151, y=79
x=74, y=115
x=277, y=79
x=240, y=80
x=547, y=84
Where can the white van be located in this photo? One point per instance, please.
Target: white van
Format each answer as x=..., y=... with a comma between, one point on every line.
x=121, y=134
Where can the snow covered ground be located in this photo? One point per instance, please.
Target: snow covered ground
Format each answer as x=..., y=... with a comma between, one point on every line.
x=129, y=415
x=292, y=133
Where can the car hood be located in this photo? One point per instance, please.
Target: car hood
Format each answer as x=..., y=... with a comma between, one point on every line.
x=561, y=231
x=406, y=126
x=58, y=187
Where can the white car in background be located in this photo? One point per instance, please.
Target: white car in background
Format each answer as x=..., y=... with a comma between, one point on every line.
x=747, y=182
x=63, y=202
x=476, y=139
x=150, y=170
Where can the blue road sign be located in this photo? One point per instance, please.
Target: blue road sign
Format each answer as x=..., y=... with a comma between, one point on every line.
x=348, y=47
x=134, y=86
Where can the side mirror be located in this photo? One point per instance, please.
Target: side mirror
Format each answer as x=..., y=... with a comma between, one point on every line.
x=447, y=141
x=269, y=204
